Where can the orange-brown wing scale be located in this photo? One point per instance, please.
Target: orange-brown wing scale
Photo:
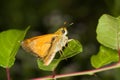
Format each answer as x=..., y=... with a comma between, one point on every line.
x=39, y=45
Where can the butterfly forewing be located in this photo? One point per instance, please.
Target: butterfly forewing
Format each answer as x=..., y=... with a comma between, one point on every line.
x=38, y=45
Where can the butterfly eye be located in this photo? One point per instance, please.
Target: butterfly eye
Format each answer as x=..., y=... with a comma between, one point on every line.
x=63, y=31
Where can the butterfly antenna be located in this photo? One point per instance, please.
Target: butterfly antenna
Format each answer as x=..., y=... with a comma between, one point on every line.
x=66, y=24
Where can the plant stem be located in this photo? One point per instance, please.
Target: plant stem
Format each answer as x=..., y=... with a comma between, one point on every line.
x=8, y=73
x=53, y=74
x=87, y=72
x=119, y=54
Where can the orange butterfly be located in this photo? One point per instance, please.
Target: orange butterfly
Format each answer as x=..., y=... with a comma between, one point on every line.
x=46, y=46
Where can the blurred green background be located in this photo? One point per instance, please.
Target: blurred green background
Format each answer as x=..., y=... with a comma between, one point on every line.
x=46, y=16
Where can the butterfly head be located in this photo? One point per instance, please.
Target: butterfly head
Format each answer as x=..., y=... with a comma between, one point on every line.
x=61, y=31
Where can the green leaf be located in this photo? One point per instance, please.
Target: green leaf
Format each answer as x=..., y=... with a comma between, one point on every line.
x=105, y=56
x=108, y=31
x=50, y=67
x=73, y=48
x=10, y=43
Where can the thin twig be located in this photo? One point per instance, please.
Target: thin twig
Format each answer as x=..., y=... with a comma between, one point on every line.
x=88, y=72
x=8, y=73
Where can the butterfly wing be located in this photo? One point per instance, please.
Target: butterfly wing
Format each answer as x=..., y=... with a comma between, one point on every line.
x=52, y=51
x=56, y=45
x=39, y=45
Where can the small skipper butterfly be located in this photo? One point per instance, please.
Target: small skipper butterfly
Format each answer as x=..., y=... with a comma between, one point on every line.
x=46, y=46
